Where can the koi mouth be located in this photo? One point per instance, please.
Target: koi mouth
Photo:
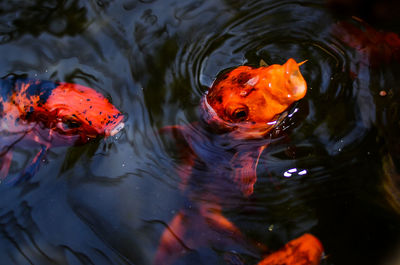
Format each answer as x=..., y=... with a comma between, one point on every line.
x=116, y=130
x=239, y=129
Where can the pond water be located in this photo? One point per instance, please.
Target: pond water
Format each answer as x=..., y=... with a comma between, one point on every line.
x=108, y=201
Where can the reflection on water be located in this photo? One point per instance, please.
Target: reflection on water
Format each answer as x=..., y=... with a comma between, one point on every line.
x=107, y=202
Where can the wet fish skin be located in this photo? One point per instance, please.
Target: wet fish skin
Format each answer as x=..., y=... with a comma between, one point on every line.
x=48, y=114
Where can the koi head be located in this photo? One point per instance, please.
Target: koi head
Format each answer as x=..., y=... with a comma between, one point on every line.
x=80, y=110
x=251, y=99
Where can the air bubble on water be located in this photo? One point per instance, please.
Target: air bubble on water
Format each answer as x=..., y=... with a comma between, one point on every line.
x=287, y=174
x=303, y=172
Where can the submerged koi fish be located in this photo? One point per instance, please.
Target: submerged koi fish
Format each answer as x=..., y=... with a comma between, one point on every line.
x=305, y=250
x=374, y=47
x=221, y=153
x=51, y=114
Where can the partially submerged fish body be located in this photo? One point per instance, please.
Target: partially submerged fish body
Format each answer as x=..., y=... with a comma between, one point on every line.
x=250, y=100
x=305, y=250
x=49, y=114
x=221, y=153
x=244, y=104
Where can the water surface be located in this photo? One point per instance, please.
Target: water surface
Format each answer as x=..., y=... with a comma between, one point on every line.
x=107, y=202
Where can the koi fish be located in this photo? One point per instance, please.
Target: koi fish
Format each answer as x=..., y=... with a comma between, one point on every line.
x=375, y=47
x=48, y=114
x=305, y=250
x=374, y=59
x=250, y=100
x=221, y=152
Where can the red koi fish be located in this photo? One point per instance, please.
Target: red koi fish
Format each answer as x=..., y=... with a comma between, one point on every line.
x=220, y=154
x=375, y=47
x=305, y=250
x=50, y=114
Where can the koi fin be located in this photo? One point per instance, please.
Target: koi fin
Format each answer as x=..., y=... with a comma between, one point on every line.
x=177, y=133
x=263, y=63
x=32, y=169
x=183, y=151
x=233, y=258
x=306, y=249
x=245, y=169
x=5, y=165
x=193, y=229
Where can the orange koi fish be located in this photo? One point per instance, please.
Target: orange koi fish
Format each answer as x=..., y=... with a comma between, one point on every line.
x=305, y=250
x=49, y=114
x=220, y=154
x=250, y=100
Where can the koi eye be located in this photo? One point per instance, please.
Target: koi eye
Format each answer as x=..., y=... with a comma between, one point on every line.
x=71, y=123
x=240, y=114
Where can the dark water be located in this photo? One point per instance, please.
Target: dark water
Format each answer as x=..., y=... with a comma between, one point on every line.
x=107, y=202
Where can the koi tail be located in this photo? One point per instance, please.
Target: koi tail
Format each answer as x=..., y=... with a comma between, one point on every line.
x=197, y=227
x=32, y=169
x=187, y=157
